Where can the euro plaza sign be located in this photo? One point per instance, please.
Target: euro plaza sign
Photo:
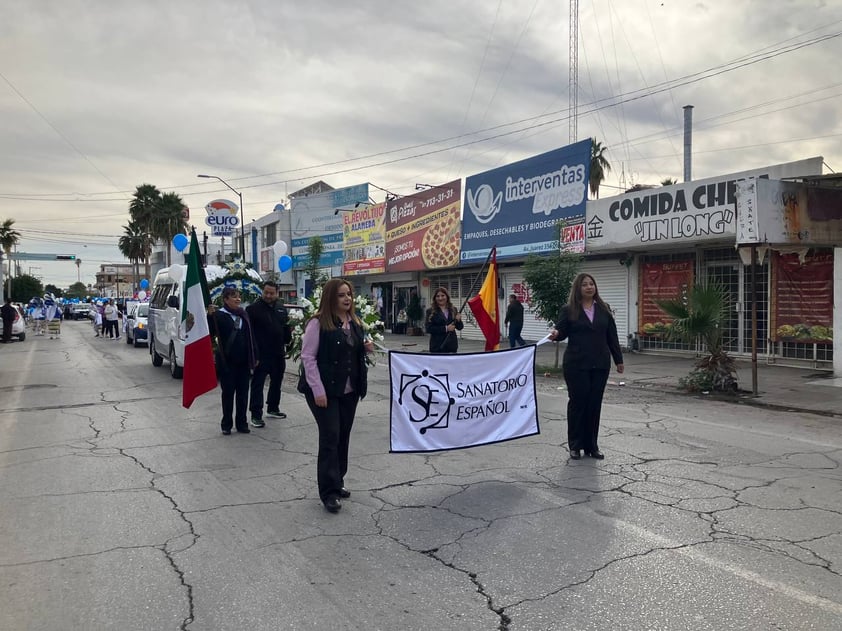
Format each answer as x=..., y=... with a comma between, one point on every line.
x=222, y=217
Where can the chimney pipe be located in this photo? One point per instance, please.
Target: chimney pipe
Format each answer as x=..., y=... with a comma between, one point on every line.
x=688, y=142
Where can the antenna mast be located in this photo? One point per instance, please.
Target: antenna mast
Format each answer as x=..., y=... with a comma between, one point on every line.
x=573, y=75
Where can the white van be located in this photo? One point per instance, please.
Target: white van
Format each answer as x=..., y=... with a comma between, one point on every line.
x=165, y=339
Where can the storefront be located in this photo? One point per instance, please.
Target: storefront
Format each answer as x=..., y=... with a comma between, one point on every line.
x=681, y=234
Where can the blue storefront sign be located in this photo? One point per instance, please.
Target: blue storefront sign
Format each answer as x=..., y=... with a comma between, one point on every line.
x=516, y=207
x=317, y=215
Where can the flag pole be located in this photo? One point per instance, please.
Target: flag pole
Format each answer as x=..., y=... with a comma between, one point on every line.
x=479, y=276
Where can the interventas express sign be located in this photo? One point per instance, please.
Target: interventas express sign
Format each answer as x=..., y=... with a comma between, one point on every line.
x=516, y=207
x=691, y=212
x=455, y=401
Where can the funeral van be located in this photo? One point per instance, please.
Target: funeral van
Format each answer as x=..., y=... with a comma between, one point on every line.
x=165, y=335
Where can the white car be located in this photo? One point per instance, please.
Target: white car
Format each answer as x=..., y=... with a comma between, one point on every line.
x=137, y=325
x=18, y=326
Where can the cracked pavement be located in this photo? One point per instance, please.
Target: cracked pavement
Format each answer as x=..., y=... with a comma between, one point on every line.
x=122, y=510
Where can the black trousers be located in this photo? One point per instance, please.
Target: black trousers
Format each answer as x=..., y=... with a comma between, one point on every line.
x=584, y=405
x=514, y=335
x=335, y=422
x=273, y=368
x=7, y=329
x=234, y=381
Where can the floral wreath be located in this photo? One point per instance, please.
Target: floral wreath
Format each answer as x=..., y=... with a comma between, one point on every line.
x=238, y=278
x=365, y=310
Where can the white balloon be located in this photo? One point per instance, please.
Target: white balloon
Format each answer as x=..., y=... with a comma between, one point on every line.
x=280, y=248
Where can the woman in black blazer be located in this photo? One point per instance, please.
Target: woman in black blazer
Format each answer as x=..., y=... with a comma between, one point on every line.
x=588, y=326
x=442, y=323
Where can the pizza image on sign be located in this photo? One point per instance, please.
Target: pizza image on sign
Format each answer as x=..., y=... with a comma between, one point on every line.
x=440, y=244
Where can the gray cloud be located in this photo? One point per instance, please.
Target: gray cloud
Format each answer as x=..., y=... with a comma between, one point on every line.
x=160, y=91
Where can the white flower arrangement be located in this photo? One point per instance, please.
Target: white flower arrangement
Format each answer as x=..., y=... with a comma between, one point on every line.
x=369, y=318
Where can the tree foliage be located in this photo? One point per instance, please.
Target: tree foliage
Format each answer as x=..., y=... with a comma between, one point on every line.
x=701, y=317
x=600, y=167
x=9, y=238
x=77, y=290
x=135, y=244
x=52, y=289
x=158, y=216
x=25, y=287
x=315, y=248
x=549, y=278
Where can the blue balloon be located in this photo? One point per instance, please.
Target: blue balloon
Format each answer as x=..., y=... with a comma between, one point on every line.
x=285, y=263
x=180, y=242
x=144, y=284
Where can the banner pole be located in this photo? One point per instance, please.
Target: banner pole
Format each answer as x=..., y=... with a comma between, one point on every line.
x=479, y=276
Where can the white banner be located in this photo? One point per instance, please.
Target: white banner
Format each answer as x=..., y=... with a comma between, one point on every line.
x=455, y=401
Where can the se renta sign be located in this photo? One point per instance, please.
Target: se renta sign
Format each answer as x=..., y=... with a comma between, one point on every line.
x=516, y=207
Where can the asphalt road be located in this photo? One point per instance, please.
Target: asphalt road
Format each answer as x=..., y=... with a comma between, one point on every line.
x=121, y=510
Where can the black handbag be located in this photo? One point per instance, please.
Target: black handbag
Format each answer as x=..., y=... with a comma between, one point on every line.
x=303, y=387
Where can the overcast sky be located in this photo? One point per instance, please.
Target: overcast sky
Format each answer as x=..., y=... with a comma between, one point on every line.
x=99, y=96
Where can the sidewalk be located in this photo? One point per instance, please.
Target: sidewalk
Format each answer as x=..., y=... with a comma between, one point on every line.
x=781, y=387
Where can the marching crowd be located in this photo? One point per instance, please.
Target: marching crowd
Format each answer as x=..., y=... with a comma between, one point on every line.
x=251, y=345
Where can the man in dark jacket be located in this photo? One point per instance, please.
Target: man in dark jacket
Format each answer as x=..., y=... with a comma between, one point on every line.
x=9, y=314
x=270, y=323
x=514, y=318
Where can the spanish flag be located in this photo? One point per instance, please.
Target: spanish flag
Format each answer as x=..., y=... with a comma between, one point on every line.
x=484, y=306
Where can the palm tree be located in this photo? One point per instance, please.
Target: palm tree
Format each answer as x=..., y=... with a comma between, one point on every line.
x=169, y=220
x=135, y=245
x=600, y=167
x=668, y=181
x=142, y=209
x=702, y=316
x=9, y=238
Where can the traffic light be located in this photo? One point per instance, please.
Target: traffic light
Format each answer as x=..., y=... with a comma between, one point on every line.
x=65, y=257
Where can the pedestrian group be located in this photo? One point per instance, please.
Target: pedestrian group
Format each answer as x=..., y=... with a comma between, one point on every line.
x=251, y=343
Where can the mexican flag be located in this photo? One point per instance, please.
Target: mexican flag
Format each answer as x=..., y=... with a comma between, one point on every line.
x=199, y=370
x=484, y=306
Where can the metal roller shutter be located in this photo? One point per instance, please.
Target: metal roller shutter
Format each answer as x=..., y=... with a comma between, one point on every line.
x=612, y=279
x=534, y=328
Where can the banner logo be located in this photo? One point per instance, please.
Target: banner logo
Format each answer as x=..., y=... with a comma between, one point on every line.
x=483, y=204
x=426, y=398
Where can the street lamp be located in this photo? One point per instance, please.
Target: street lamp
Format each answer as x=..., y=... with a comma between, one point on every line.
x=242, y=221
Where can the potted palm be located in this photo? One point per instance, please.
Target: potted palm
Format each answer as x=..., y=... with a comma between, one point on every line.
x=414, y=314
x=701, y=317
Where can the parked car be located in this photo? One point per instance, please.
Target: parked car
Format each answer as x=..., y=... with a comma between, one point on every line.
x=82, y=311
x=137, y=325
x=18, y=326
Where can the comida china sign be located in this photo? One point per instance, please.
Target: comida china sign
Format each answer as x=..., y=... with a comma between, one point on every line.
x=686, y=213
x=516, y=207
